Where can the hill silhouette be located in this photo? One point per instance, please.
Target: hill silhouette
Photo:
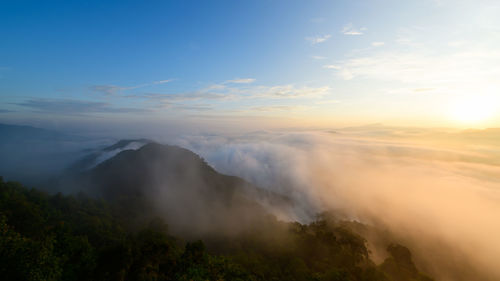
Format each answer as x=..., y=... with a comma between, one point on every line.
x=178, y=185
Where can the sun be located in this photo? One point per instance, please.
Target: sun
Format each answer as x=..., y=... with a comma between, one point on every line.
x=472, y=110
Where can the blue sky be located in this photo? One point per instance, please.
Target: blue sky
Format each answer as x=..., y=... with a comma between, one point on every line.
x=305, y=63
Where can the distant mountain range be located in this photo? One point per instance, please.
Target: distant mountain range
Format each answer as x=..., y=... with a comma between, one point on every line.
x=33, y=155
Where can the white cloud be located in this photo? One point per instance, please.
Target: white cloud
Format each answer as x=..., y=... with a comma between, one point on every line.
x=241, y=81
x=346, y=74
x=378, y=44
x=318, y=57
x=332, y=66
x=238, y=94
x=107, y=89
x=163, y=81
x=277, y=108
x=327, y=101
x=215, y=87
x=456, y=44
x=411, y=36
x=419, y=90
x=423, y=67
x=75, y=107
x=216, y=96
x=181, y=97
x=349, y=29
x=318, y=39
x=113, y=89
x=290, y=91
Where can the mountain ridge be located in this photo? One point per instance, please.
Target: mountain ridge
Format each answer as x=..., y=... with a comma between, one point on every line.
x=174, y=182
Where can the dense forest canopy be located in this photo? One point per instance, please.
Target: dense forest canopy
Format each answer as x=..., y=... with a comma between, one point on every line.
x=58, y=237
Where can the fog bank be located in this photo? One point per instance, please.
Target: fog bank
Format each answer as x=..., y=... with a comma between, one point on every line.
x=437, y=192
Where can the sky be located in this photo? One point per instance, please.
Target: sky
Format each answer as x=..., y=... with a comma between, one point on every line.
x=262, y=63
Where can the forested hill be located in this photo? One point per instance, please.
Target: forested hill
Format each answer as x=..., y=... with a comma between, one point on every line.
x=179, y=186
x=44, y=237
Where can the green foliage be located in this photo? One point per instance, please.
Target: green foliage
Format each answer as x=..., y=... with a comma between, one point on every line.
x=60, y=237
x=399, y=266
x=22, y=258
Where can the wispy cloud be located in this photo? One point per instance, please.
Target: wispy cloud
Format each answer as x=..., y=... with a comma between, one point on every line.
x=318, y=57
x=419, y=90
x=349, y=29
x=113, y=89
x=70, y=106
x=327, y=101
x=277, y=108
x=107, y=89
x=188, y=107
x=318, y=39
x=411, y=36
x=238, y=93
x=163, y=81
x=235, y=92
x=290, y=91
x=5, y=111
x=424, y=67
x=241, y=81
x=378, y=44
x=332, y=66
x=185, y=96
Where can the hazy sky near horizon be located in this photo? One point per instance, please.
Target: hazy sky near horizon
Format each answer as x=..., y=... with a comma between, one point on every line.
x=287, y=63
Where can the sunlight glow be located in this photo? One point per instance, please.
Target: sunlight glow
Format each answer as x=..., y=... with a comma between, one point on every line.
x=472, y=110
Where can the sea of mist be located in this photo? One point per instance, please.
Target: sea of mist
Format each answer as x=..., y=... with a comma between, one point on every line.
x=436, y=191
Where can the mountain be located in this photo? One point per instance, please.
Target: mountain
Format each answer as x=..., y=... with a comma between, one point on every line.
x=179, y=186
x=96, y=156
x=56, y=237
x=143, y=196
x=32, y=155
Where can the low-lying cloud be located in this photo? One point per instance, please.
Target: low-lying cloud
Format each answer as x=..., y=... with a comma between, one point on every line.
x=434, y=191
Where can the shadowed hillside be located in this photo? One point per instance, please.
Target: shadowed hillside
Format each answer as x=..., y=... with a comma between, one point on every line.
x=58, y=237
x=175, y=183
